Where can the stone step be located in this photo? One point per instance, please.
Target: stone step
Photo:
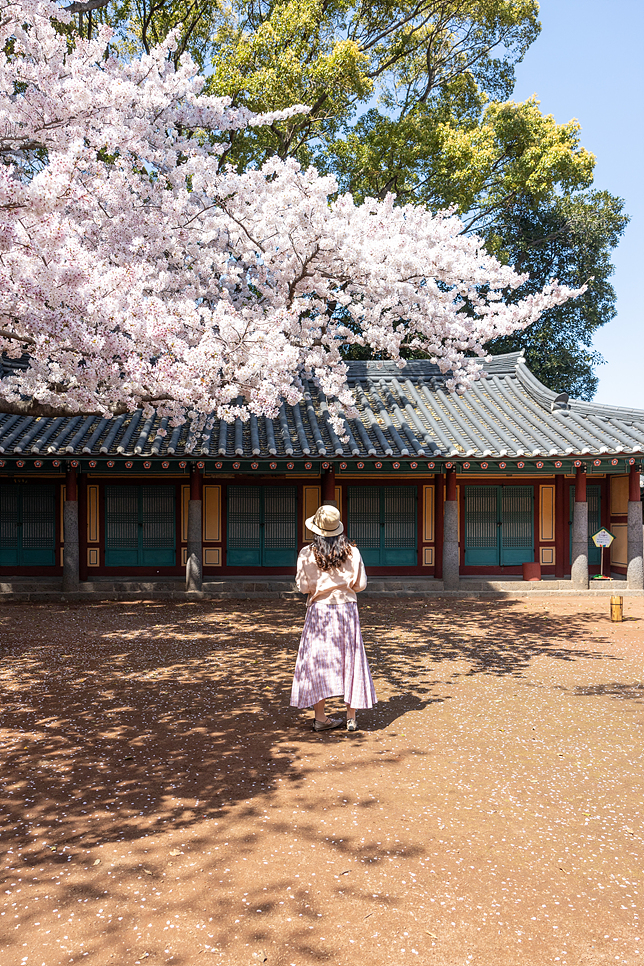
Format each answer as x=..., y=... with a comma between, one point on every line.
x=31, y=585
x=469, y=584
x=24, y=588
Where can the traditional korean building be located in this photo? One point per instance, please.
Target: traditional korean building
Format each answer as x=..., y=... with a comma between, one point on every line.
x=430, y=484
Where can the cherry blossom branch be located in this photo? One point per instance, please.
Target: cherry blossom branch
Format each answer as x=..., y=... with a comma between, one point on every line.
x=15, y=337
x=150, y=276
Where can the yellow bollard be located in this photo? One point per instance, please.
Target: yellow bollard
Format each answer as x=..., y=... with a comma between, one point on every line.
x=617, y=608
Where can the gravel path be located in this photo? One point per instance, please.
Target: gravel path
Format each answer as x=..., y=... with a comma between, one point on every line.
x=161, y=803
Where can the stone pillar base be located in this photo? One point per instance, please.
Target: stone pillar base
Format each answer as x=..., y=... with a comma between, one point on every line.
x=635, y=554
x=579, y=563
x=194, y=561
x=70, y=549
x=450, y=545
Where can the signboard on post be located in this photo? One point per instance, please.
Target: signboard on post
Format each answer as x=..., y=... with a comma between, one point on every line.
x=603, y=538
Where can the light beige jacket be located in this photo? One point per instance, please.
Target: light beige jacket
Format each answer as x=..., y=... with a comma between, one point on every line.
x=336, y=586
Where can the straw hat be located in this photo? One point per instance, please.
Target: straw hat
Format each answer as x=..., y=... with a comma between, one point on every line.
x=326, y=522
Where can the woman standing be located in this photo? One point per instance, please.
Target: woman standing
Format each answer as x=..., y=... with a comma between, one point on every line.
x=331, y=659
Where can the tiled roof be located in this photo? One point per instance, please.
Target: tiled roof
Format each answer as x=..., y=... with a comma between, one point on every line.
x=402, y=413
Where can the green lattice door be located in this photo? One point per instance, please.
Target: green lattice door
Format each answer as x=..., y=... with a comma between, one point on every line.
x=499, y=526
x=382, y=521
x=593, y=495
x=517, y=525
x=140, y=529
x=27, y=525
x=262, y=526
x=481, y=526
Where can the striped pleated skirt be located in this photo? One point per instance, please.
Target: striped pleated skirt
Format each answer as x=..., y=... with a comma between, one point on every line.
x=331, y=660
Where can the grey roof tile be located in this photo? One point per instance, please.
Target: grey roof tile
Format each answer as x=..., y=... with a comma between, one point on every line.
x=404, y=412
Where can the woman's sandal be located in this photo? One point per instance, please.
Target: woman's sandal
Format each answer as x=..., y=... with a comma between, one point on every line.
x=352, y=724
x=327, y=725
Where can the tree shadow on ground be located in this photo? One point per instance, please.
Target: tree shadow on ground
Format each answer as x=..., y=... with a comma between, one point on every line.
x=126, y=719
x=491, y=637
x=121, y=722
x=125, y=708
x=621, y=690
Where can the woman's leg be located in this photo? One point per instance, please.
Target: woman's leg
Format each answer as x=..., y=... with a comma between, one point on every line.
x=351, y=712
x=319, y=710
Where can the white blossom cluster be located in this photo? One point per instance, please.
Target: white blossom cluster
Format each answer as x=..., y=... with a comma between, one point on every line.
x=137, y=271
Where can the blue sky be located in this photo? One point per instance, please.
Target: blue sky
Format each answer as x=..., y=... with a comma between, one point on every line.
x=588, y=64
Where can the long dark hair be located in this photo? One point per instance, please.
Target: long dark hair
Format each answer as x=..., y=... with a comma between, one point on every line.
x=330, y=552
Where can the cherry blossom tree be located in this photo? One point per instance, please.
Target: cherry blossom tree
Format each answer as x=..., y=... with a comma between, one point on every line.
x=137, y=270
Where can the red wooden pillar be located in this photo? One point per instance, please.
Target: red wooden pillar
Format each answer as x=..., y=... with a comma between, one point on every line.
x=82, y=527
x=580, y=485
x=194, y=554
x=635, y=548
x=195, y=484
x=450, y=485
x=328, y=486
x=70, y=533
x=438, y=535
x=451, y=560
x=634, y=485
x=71, y=495
x=579, y=562
x=561, y=527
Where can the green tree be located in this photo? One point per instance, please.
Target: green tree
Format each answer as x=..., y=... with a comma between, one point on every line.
x=338, y=57
x=521, y=180
x=142, y=24
x=569, y=238
x=334, y=55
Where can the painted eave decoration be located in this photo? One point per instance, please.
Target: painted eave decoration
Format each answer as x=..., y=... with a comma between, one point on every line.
x=408, y=422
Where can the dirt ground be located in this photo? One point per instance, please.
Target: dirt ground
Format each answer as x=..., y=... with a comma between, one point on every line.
x=161, y=803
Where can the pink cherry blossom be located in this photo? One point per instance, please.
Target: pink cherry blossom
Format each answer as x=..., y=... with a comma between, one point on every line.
x=138, y=272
